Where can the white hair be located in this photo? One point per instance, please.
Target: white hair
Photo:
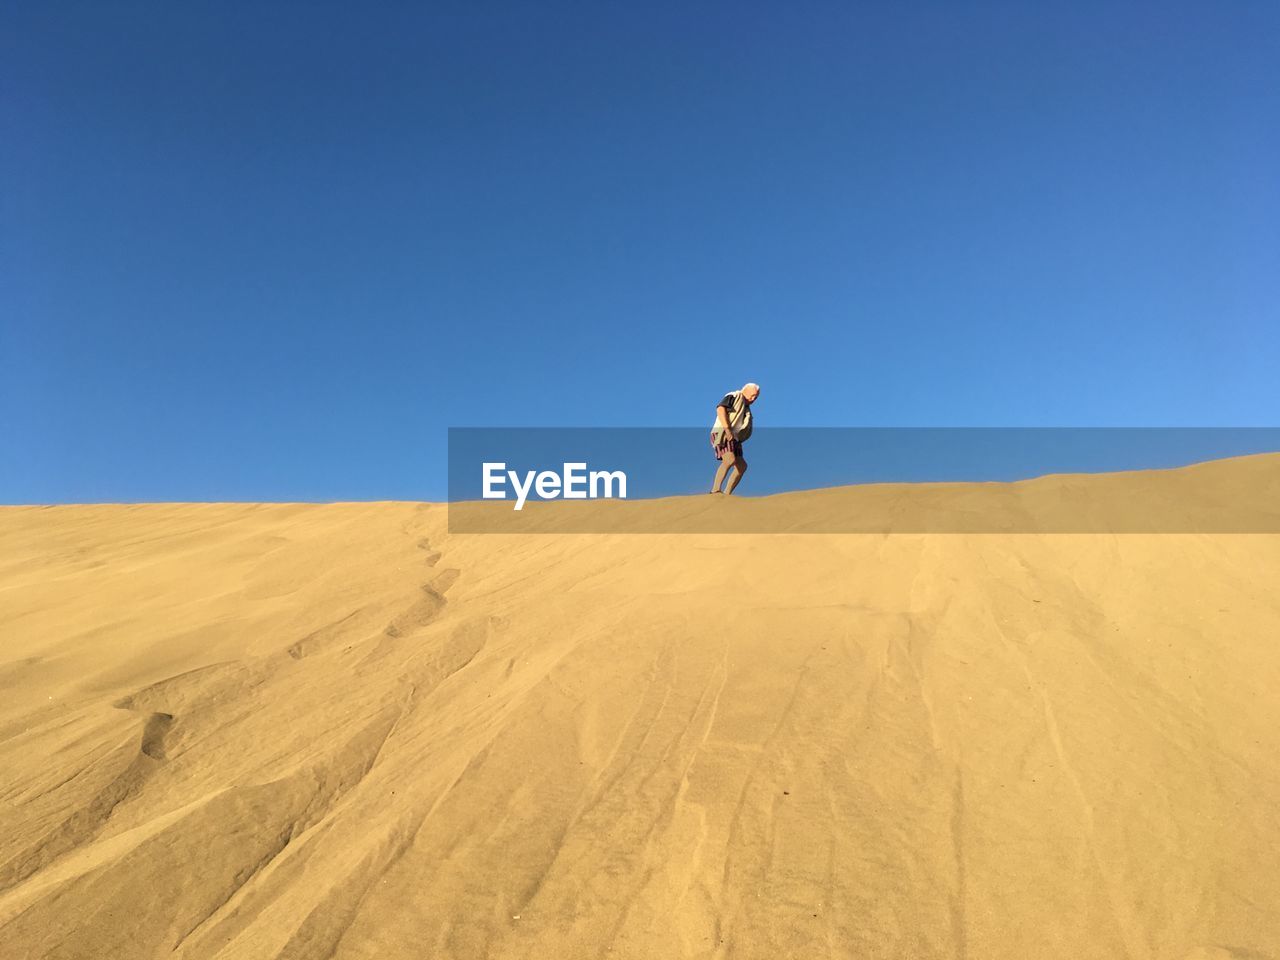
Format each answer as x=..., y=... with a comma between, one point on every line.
x=751, y=386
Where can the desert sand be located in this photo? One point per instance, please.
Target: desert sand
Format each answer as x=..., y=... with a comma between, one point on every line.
x=311, y=731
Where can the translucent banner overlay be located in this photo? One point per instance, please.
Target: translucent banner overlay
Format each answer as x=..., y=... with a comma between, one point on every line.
x=868, y=480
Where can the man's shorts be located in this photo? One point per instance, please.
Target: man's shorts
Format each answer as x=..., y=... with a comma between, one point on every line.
x=727, y=442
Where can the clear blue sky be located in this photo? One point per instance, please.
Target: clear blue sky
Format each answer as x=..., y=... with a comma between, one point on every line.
x=271, y=251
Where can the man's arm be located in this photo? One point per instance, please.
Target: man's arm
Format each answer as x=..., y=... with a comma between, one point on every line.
x=722, y=420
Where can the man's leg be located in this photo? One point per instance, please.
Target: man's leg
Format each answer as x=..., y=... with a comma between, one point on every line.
x=740, y=467
x=725, y=464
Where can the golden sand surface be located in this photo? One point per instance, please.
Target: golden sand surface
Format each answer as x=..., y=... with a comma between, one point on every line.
x=313, y=731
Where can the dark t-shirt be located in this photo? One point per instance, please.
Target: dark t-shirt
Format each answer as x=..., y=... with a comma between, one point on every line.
x=738, y=412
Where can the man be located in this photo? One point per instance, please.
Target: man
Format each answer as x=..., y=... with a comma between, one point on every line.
x=731, y=429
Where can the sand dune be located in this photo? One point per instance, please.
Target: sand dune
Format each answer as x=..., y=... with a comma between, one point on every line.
x=309, y=731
